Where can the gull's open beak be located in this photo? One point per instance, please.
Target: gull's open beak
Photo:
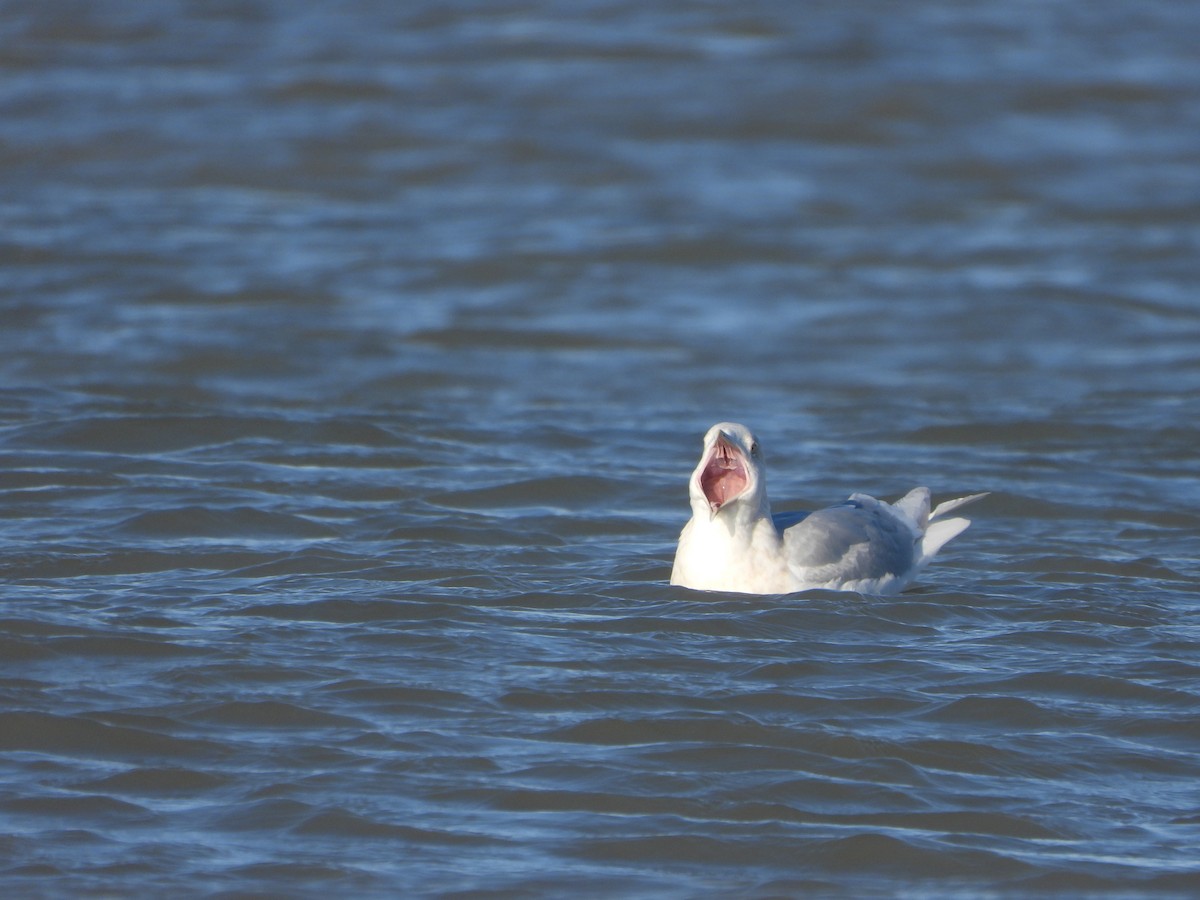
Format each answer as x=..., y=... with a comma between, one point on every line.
x=724, y=475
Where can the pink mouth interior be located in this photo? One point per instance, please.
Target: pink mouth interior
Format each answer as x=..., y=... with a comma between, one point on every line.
x=724, y=478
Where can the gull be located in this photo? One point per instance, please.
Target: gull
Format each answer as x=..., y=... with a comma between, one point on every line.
x=733, y=543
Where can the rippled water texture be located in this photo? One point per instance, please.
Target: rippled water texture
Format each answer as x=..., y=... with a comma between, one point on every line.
x=353, y=359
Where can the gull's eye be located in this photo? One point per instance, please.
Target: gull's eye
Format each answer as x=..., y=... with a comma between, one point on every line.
x=754, y=449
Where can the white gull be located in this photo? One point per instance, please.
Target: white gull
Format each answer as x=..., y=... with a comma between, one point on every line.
x=733, y=543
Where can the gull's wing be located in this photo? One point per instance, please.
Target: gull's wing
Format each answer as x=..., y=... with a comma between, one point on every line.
x=861, y=539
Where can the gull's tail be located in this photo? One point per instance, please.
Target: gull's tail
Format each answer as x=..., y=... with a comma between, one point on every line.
x=939, y=531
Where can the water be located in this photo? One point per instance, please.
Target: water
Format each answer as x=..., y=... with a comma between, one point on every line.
x=352, y=364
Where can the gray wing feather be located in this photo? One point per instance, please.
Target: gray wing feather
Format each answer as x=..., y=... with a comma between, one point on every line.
x=858, y=539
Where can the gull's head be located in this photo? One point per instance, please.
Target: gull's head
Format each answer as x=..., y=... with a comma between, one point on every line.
x=730, y=472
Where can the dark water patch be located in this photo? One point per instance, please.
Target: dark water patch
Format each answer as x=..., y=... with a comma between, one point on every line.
x=956, y=825
x=474, y=530
x=309, y=561
x=142, y=620
x=865, y=855
x=1154, y=760
x=256, y=714
x=1087, y=570
x=1003, y=713
x=95, y=807
x=252, y=673
x=153, y=434
x=711, y=625
x=812, y=797
x=1119, y=883
x=975, y=758
x=263, y=814
x=574, y=700
x=156, y=782
x=397, y=697
x=800, y=670
x=1102, y=610
x=1049, y=640
x=126, y=647
x=1027, y=435
x=41, y=479
x=340, y=823
x=75, y=562
x=569, y=493
x=300, y=876
x=342, y=610
x=881, y=853
x=525, y=339
x=238, y=522
x=23, y=649
x=147, y=434
x=682, y=848
x=576, y=526
x=34, y=870
x=604, y=803
x=74, y=736
x=1166, y=731
x=733, y=734
x=962, y=823
x=1117, y=692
